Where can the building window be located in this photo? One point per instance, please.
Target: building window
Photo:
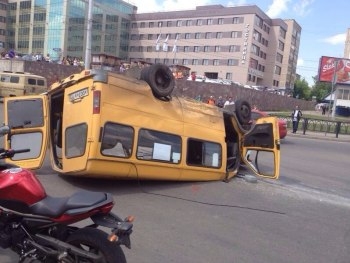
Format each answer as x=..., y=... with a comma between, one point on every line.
x=158, y=146
x=281, y=45
x=178, y=23
x=277, y=70
x=205, y=62
x=232, y=62
x=236, y=34
x=203, y=153
x=216, y=62
x=169, y=24
x=198, y=35
x=229, y=75
x=219, y=35
x=208, y=35
x=149, y=48
x=234, y=48
x=151, y=24
x=220, y=21
x=196, y=49
x=253, y=63
x=185, y=62
x=187, y=36
x=209, y=21
x=217, y=48
x=279, y=57
x=206, y=49
x=186, y=49
x=282, y=33
x=199, y=22
x=237, y=20
x=255, y=50
x=160, y=24
x=150, y=37
x=143, y=25
x=195, y=62
x=189, y=23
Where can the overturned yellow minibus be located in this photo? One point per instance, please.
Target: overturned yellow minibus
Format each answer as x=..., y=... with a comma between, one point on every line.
x=105, y=124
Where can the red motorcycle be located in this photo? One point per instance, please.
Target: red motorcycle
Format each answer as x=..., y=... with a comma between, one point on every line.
x=39, y=227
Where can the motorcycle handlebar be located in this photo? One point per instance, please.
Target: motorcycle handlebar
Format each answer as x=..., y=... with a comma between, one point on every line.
x=21, y=151
x=10, y=152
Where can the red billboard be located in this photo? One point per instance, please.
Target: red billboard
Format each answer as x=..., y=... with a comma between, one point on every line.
x=331, y=67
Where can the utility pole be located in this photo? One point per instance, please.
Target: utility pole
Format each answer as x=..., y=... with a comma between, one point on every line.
x=88, y=37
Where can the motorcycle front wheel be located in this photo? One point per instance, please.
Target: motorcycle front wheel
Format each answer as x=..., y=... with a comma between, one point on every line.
x=95, y=241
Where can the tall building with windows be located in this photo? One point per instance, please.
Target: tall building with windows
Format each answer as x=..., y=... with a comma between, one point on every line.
x=347, y=44
x=3, y=6
x=238, y=43
x=59, y=27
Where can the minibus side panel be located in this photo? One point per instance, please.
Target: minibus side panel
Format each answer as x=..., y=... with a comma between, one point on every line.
x=27, y=117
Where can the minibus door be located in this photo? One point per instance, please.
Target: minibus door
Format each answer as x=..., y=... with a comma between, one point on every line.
x=27, y=119
x=261, y=148
x=76, y=127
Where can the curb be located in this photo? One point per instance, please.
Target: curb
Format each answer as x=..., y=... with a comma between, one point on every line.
x=321, y=136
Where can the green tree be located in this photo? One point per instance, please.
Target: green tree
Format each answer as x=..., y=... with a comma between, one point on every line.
x=302, y=89
x=321, y=89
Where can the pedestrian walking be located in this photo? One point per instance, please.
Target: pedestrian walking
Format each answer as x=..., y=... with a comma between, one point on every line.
x=296, y=115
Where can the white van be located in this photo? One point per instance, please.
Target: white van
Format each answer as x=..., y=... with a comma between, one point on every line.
x=13, y=84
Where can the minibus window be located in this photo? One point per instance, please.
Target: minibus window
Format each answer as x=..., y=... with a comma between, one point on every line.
x=31, y=140
x=161, y=146
x=14, y=79
x=76, y=140
x=117, y=140
x=201, y=153
x=32, y=81
x=40, y=82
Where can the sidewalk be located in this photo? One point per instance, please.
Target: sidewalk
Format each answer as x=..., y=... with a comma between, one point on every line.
x=320, y=136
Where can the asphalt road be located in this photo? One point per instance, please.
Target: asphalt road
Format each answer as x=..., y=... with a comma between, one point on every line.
x=303, y=217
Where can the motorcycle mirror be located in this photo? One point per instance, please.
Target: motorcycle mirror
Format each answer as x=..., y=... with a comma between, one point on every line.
x=4, y=130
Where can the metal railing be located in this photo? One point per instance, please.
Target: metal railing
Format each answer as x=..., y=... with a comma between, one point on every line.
x=317, y=125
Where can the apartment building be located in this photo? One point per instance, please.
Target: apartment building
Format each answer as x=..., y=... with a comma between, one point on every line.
x=59, y=28
x=238, y=43
x=347, y=44
x=3, y=8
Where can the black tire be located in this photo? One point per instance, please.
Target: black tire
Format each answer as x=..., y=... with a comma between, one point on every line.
x=243, y=111
x=96, y=242
x=160, y=78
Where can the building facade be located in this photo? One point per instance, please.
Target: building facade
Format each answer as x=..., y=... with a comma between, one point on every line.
x=3, y=8
x=237, y=43
x=59, y=28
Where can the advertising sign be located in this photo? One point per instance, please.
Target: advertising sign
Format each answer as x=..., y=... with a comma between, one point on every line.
x=334, y=68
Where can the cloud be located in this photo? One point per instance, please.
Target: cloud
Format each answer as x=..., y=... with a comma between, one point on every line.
x=300, y=62
x=237, y=3
x=277, y=7
x=301, y=8
x=168, y=5
x=336, y=39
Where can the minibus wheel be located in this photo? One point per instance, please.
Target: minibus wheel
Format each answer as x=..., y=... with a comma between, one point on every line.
x=160, y=78
x=243, y=111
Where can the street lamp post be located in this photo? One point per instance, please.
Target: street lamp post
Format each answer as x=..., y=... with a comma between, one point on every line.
x=88, y=37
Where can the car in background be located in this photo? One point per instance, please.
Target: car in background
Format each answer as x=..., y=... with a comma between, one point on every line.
x=282, y=124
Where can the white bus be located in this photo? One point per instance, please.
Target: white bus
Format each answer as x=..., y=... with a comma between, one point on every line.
x=13, y=84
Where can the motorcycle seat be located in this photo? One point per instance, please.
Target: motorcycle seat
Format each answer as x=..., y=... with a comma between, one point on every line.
x=77, y=203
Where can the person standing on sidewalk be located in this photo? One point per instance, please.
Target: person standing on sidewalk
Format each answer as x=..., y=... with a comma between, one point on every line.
x=296, y=115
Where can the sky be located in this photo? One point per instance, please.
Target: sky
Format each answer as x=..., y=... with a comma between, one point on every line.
x=324, y=24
